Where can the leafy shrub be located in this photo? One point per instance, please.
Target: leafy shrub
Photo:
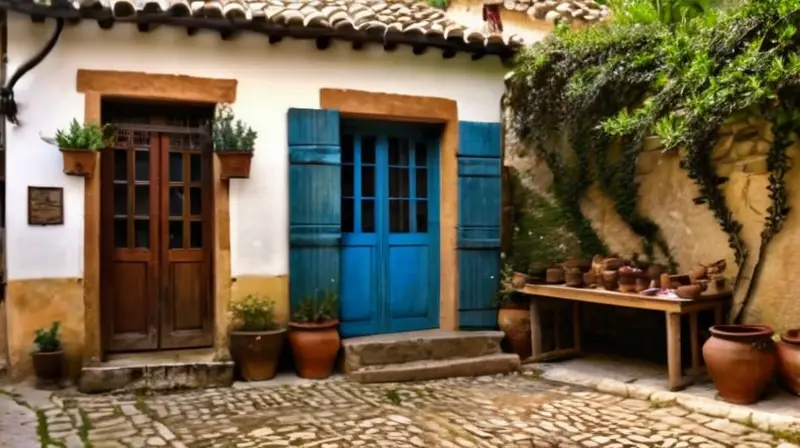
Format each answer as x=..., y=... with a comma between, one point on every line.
x=89, y=137
x=229, y=134
x=319, y=308
x=48, y=341
x=254, y=313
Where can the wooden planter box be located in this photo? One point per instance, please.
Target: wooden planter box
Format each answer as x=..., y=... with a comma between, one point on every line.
x=234, y=164
x=79, y=162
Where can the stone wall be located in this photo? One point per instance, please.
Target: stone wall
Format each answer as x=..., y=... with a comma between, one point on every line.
x=665, y=196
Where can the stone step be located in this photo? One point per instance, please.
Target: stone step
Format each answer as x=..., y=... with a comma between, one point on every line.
x=428, y=345
x=157, y=371
x=433, y=370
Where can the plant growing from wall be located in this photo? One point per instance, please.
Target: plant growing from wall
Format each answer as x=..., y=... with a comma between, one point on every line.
x=631, y=79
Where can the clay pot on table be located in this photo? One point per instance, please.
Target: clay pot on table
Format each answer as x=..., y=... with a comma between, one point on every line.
x=554, y=275
x=642, y=283
x=536, y=273
x=581, y=265
x=741, y=361
x=689, y=291
x=518, y=280
x=515, y=322
x=613, y=264
x=573, y=277
x=610, y=280
x=789, y=359
x=314, y=346
x=589, y=279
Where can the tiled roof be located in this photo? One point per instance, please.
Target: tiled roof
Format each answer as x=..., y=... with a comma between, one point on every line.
x=552, y=10
x=403, y=21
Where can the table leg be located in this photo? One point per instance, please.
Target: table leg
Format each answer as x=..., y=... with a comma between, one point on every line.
x=695, y=343
x=674, y=351
x=576, y=326
x=719, y=318
x=536, y=329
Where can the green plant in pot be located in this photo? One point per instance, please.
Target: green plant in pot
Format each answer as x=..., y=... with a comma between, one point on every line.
x=256, y=340
x=79, y=144
x=513, y=315
x=48, y=355
x=314, y=334
x=234, y=143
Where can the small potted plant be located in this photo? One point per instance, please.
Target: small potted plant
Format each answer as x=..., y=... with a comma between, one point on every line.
x=48, y=355
x=234, y=143
x=79, y=145
x=256, y=340
x=513, y=314
x=314, y=336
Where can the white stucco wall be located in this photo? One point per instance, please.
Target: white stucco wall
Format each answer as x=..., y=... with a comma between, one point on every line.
x=272, y=79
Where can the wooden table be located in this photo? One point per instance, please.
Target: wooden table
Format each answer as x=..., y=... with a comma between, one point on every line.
x=673, y=309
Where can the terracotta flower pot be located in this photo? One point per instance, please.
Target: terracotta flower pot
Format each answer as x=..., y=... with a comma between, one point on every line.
x=610, y=280
x=79, y=162
x=582, y=265
x=642, y=283
x=574, y=277
x=741, y=361
x=789, y=359
x=555, y=275
x=256, y=353
x=48, y=366
x=518, y=280
x=689, y=291
x=234, y=164
x=515, y=322
x=589, y=279
x=314, y=347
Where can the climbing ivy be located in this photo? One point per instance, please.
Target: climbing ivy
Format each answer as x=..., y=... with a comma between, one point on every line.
x=580, y=90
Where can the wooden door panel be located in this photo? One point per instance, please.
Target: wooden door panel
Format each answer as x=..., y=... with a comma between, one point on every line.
x=186, y=309
x=129, y=240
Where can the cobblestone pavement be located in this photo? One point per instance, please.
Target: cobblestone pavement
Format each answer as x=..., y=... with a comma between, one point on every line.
x=17, y=424
x=497, y=411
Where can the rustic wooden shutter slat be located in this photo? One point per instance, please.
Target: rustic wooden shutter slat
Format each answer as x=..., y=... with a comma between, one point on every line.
x=314, y=201
x=479, y=211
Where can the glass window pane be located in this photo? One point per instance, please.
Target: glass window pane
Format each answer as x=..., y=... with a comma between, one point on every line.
x=196, y=162
x=121, y=200
x=141, y=231
x=399, y=186
x=367, y=181
x=141, y=165
x=399, y=219
x=176, y=234
x=175, y=201
x=347, y=148
x=368, y=149
x=422, y=183
x=195, y=200
x=367, y=216
x=422, y=216
x=421, y=154
x=120, y=164
x=347, y=180
x=142, y=200
x=121, y=232
x=196, y=234
x=348, y=213
x=398, y=151
x=175, y=167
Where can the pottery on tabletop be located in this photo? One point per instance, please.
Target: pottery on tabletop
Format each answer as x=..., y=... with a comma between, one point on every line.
x=789, y=359
x=741, y=361
x=610, y=280
x=689, y=291
x=554, y=275
x=589, y=279
x=642, y=283
x=581, y=265
x=518, y=280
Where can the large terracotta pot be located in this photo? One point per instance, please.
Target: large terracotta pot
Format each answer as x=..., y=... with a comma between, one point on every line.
x=789, y=359
x=515, y=322
x=48, y=367
x=741, y=361
x=256, y=353
x=314, y=347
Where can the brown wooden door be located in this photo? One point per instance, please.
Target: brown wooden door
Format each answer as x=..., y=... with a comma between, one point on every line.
x=156, y=243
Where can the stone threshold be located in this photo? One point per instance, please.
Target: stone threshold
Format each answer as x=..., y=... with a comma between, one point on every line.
x=766, y=421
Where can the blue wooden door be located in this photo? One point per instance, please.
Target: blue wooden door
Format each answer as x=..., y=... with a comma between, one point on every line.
x=314, y=202
x=479, y=211
x=390, y=228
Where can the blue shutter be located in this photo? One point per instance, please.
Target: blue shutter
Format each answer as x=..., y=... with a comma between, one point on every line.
x=314, y=201
x=479, y=210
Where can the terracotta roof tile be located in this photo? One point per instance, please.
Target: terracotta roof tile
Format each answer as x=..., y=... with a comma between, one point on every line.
x=552, y=10
x=396, y=18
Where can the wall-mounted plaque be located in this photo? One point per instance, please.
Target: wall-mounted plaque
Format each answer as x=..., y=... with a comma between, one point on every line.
x=45, y=206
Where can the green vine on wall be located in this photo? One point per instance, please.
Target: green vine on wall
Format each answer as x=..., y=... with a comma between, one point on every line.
x=636, y=77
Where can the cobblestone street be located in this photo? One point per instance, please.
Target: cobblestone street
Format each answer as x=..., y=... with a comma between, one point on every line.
x=498, y=411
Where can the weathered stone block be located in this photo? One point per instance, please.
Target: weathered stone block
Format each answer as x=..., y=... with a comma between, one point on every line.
x=97, y=379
